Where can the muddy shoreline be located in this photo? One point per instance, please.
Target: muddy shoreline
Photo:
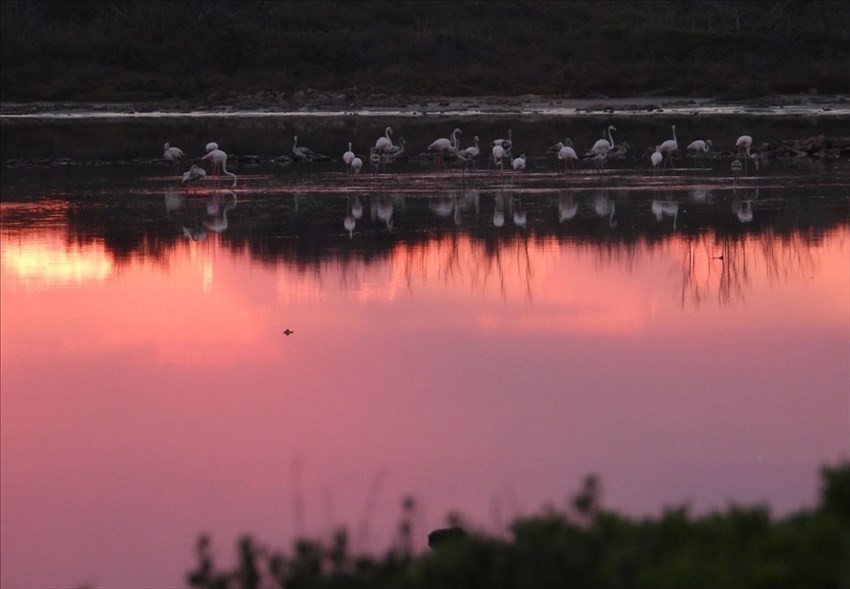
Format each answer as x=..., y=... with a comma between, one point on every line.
x=307, y=102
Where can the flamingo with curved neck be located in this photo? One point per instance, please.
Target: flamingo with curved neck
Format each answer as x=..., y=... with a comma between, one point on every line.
x=669, y=146
x=219, y=163
x=443, y=146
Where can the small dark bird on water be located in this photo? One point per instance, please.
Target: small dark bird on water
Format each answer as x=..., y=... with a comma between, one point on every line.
x=288, y=332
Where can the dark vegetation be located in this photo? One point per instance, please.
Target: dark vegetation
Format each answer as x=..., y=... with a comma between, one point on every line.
x=738, y=548
x=220, y=50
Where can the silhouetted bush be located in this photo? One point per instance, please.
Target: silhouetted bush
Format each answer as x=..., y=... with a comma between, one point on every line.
x=739, y=548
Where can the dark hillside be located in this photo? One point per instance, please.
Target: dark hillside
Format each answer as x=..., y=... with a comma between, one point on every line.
x=124, y=50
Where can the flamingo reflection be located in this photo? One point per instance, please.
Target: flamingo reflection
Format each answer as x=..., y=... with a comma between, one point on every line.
x=567, y=207
x=354, y=212
x=174, y=201
x=503, y=201
x=356, y=207
x=382, y=209
x=743, y=210
x=219, y=223
x=699, y=194
x=665, y=208
x=604, y=206
x=520, y=217
x=194, y=234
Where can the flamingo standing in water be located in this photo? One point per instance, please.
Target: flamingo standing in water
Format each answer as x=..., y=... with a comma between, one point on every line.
x=656, y=158
x=396, y=150
x=194, y=174
x=505, y=144
x=383, y=145
x=519, y=163
x=305, y=154
x=347, y=157
x=470, y=154
x=668, y=147
x=172, y=154
x=219, y=164
x=443, y=146
x=744, y=143
x=498, y=156
x=356, y=165
x=600, y=149
x=699, y=147
x=566, y=153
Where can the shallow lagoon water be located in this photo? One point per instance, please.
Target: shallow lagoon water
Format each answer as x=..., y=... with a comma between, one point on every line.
x=478, y=340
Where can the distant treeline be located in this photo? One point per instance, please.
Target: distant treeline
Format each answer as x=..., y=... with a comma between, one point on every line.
x=151, y=50
x=585, y=546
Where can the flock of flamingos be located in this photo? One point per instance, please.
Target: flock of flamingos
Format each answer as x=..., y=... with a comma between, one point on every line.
x=385, y=151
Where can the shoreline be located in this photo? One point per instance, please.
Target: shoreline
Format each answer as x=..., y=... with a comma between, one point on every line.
x=307, y=104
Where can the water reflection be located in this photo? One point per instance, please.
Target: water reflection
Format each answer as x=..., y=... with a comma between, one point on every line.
x=604, y=206
x=218, y=209
x=567, y=207
x=665, y=208
x=480, y=289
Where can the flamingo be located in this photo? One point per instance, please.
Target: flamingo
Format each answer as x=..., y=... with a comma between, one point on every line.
x=600, y=149
x=619, y=150
x=172, y=154
x=219, y=163
x=498, y=156
x=656, y=158
x=305, y=154
x=443, y=146
x=699, y=147
x=195, y=173
x=397, y=150
x=470, y=153
x=504, y=143
x=347, y=157
x=356, y=165
x=383, y=145
x=744, y=143
x=669, y=146
x=519, y=163
x=566, y=152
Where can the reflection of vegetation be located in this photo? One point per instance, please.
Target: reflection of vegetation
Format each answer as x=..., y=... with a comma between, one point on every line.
x=473, y=240
x=125, y=50
x=589, y=546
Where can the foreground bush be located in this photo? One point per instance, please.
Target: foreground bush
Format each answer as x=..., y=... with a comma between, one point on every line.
x=590, y=547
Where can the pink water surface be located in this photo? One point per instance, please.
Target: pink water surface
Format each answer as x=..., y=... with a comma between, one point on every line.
x=147, y=401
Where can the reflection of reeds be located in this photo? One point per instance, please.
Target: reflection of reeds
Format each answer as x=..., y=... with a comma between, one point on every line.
x=725, y=265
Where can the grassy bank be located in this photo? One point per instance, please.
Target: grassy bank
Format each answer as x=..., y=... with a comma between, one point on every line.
x=124, y=50
x=589, y=546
